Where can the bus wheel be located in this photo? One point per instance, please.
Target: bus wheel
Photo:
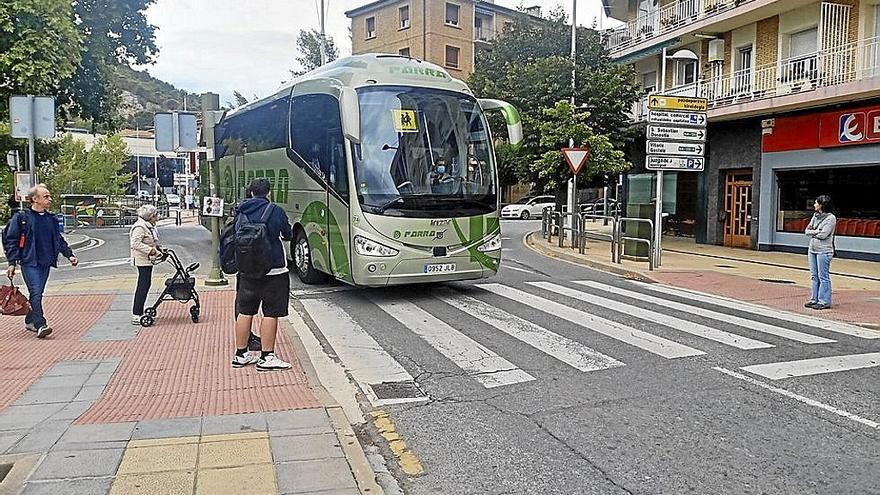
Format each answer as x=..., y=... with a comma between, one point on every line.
x=302, y=260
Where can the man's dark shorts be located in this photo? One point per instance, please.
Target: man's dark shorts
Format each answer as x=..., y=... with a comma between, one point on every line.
x=272, y=292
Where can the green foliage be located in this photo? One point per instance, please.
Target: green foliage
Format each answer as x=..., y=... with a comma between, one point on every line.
x=39, y=46
x=309, y=45
x=530, y=66
x=97, y=171
x=561, y=124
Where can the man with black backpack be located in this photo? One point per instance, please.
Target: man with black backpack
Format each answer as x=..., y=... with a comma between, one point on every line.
x=252, y=248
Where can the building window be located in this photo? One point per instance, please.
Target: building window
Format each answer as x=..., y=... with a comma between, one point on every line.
x=403, y=14
x=404, y=52
x=371, y=27
x=452, y=53
x=686, y=72
x=452, y=14
x=649, y=82
x=853, y=190
x=742, y=68
x=802, y=60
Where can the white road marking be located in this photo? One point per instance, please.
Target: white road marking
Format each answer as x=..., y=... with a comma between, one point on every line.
x=86, y=265
x=566, y=350
x=690, y=327
x=833, y=326
x=817, y=366
x=713, y=315
x=801, y=398
x=94, y=243
x=643, y=340
x=483, y=365
x=362, y=356
x=518, y=269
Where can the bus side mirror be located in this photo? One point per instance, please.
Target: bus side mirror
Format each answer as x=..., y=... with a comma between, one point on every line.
x=511, y=118
x=349, y=108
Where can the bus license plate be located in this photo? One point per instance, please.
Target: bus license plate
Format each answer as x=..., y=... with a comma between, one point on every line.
x=440, y=268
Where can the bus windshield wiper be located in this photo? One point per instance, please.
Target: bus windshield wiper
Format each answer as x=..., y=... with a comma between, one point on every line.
x=389, y=204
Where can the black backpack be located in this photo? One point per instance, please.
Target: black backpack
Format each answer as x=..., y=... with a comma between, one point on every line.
x=245, y=246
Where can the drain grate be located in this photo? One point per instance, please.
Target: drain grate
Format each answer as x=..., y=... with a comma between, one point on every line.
x=397, y=390
x=4, y=470
x=776, y=281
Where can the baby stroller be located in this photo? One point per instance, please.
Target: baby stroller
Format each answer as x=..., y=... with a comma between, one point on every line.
x=181, y=287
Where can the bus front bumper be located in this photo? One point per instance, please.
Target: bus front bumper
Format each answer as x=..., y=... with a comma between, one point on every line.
x=415, y=271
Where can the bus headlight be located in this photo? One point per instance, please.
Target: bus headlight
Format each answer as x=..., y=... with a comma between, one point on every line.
x=493, y=244
x=366, y=247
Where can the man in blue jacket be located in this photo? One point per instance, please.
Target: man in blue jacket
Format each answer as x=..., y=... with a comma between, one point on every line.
x=271, y=291
x=34, y=242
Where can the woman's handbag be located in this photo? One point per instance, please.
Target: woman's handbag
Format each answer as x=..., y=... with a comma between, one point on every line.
x=12, y=301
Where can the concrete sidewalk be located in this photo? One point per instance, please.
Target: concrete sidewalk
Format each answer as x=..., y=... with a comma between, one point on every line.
x=779, y=280
x=102, y=406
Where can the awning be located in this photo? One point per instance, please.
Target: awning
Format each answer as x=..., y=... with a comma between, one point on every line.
x=647, y=52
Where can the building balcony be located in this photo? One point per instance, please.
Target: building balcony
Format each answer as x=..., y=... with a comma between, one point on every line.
x=845, y=73
x=674, y=21
x=484, y=35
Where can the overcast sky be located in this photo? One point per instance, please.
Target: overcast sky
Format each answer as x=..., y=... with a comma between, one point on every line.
x=250, y=45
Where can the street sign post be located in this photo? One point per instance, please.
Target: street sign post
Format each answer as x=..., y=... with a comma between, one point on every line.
x=675, y=133
x=176, y=131
x=576, y=158
x=675, y=163
x=32, y=117
x=674, y=148
x=676, y=118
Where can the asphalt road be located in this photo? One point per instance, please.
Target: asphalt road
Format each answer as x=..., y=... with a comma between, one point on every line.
x=533, y=383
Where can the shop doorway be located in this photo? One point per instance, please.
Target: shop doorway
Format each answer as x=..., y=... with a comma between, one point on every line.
x=738, y=208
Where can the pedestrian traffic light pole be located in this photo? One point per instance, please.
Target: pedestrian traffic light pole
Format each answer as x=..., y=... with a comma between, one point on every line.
x=211, y=115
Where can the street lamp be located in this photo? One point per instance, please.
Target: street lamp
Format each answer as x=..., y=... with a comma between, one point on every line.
x=679, y=56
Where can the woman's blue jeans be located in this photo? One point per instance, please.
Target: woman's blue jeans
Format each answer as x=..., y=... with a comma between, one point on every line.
x=820, y=276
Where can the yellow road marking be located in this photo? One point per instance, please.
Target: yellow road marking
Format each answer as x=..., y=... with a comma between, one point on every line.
x=408, y=461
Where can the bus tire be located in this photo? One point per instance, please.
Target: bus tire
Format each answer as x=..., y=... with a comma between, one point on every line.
x=302, y=260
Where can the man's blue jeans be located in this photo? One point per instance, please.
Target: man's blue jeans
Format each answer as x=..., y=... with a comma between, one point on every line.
x=35, y=277
x=820, y=276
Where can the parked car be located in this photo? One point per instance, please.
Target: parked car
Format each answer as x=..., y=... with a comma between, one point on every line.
x=173, y=199
x=144, y=194
x=597, y=207
x=527, y=208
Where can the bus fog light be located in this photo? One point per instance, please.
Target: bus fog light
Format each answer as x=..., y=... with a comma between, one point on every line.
x=493, y=244
x=371, y=268
x=382, y=266
x=366, y=247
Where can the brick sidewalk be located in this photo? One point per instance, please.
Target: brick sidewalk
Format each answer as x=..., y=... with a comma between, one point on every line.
x=102, y=406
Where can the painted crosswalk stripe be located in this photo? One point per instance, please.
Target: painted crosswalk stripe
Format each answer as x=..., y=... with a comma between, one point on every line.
x=832, y=326
x=690, y=327
x=366, y=360
x=643, y=340
x=483, y=365
x=712, y=315
x=517, y=269
x=817, y=366
x=566, y=350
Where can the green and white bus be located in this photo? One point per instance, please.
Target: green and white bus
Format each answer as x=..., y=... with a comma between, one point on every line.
x=384, y=165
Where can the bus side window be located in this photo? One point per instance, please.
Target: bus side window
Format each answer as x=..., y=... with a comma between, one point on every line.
x=316, y=136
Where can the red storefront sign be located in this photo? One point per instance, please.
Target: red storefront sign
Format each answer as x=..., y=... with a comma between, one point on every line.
x=824, y=130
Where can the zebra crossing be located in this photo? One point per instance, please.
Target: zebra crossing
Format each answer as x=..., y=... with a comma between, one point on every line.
x=512, y=312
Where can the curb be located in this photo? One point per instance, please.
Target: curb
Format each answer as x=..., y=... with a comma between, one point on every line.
x=76, y=245
x=530, y=243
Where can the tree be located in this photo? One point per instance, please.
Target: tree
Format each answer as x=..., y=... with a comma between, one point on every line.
x=530, y=67
x=309, y=45
x=97, y=171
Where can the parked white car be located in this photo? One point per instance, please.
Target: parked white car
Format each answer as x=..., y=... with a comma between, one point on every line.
x=173, y=199
x=527, y=208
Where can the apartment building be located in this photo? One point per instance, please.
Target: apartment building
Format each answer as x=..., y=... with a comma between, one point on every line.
x=794, y=112
x=447, y=33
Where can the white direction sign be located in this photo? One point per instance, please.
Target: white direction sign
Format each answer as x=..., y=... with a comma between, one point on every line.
x=677, y=118
x=175, y=131
x=669, y=133
x=672, y=148
x=655, y=162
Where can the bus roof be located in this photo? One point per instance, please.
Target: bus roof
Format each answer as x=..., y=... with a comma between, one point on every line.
x=370, y=70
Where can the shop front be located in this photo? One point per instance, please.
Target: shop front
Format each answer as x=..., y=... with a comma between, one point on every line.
x=835, y=153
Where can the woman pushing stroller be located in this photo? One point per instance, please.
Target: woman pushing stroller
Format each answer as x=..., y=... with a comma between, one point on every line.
x=144, y=242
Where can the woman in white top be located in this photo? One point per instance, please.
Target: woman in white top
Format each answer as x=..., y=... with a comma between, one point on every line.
x=144, y=241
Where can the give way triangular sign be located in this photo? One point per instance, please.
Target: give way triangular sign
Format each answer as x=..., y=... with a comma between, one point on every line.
x=576, y=157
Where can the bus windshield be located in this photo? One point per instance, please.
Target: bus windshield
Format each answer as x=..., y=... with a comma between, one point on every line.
x=423, y=152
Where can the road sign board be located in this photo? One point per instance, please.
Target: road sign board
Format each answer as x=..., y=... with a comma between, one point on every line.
x=697, y=119
x=660, y=102
x=679, y=163
x=671, y=133
x=32, y=116
x=576, y=157
x=176, y=131
x=673, y=148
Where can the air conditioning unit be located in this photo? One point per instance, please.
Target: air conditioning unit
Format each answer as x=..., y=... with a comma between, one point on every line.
x=716, y=51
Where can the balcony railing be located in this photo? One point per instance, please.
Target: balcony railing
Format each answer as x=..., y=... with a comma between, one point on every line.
x=668, y=18
x=847, y=63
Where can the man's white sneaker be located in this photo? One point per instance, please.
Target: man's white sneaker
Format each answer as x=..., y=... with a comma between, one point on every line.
x=136, y=320
x=44, y=331
x=30, y=327
x=272, y=363
x=241, y=361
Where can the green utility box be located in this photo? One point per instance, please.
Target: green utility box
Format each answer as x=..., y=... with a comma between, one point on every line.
x=637, y=229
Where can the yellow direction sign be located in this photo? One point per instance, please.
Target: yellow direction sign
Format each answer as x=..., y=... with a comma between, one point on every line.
x=659, y=102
